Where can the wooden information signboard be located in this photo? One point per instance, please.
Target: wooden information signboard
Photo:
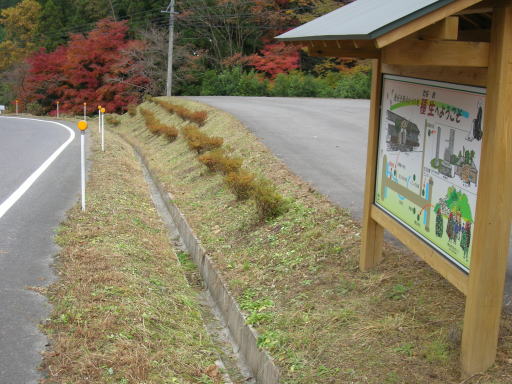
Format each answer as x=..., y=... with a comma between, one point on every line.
x=439, y=154
x=428, y=161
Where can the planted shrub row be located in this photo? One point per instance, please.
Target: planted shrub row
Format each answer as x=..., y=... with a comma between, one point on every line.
x=241, y=183
x=269, y=201
x=132, y=110
x=198, y=117
x=200, y=142
x=113, y=120
x=217, y=161
x=244, y=184
x=157, y=127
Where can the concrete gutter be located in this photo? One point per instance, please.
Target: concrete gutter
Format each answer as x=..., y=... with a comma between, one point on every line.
x=259, y=362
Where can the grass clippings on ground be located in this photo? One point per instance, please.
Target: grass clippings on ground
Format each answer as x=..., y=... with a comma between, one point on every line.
x=122, y=309
x=297, y=276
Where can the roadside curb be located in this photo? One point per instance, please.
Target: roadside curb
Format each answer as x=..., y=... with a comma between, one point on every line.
x=245, y=337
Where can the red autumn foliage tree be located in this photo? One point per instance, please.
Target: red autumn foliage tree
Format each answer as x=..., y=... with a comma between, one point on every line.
x=275, y=59
x=94, y=68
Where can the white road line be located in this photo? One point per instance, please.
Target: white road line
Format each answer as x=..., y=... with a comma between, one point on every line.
x=16, y=195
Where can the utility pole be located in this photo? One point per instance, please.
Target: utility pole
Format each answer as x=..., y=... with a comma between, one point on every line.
x=170, y=11
x=113, y=11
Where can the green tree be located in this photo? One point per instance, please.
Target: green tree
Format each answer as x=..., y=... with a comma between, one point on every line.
x=439, y=223
x=308, y=10
x=51, y=28
x=8, y=3
x=465, y=240
x=20, y=25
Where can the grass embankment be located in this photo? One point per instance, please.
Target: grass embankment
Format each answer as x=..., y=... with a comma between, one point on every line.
x=297, y=277
x=122, y=309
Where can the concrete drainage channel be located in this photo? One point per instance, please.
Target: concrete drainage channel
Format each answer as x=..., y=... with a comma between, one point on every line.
x=225, y=322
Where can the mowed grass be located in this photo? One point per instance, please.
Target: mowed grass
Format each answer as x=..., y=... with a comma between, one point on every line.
x=122, y=309
x=297, y=276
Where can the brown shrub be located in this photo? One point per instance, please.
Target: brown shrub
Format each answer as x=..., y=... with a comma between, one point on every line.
x=217, y=161
x=150, y=120
x=269, y=202
x=170, y=131
x=200, y=142
x=198, y=117
x=157, y=127
x=212, y=159
x=230, y=164
x=132, y=110
x=241, y=183
x=190, y=132
x=112, y=120
x=208, y=143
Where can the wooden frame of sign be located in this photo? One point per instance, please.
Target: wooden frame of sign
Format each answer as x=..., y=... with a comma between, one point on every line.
x=434, y=47
x=491, y=68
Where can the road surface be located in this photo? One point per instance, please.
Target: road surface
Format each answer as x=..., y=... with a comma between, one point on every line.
x=321, y=140
x=34, y=196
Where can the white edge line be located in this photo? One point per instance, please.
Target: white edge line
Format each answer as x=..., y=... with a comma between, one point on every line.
x=18, y=193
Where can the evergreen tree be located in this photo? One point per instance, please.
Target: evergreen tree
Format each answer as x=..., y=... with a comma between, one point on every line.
x=20, y=27
x=465, y=240
x=8, y=3
x=51, y=26
x=439, y=224
x=449, y=227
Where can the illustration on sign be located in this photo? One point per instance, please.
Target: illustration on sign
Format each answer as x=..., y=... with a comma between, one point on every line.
x=428, y=161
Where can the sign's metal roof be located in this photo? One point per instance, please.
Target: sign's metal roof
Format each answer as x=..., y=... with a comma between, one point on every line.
x=363, y=20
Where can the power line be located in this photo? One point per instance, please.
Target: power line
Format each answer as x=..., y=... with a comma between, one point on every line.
x=141, y=16
x=158, y=22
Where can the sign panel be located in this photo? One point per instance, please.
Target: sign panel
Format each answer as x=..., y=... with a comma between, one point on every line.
x=429, y=159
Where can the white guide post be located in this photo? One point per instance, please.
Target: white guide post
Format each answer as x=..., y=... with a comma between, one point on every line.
x=82, y=125
x=99, y=119
x=82, y=166
x=102, y=129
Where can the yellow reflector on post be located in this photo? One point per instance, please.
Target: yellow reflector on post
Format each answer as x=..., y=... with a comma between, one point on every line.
x=82, y=125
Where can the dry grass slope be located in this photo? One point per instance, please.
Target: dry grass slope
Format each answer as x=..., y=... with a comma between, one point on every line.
x=122, y=309
x=297, y=275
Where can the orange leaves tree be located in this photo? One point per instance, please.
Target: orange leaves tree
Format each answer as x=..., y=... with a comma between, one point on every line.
x=92, y=68
x=275, y=59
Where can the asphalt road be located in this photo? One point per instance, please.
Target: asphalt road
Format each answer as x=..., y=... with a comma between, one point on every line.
x=321, y=140
x=27, y=228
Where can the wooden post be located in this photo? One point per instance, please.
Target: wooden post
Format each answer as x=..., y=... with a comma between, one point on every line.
x=373, y=233
x=493, y=209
